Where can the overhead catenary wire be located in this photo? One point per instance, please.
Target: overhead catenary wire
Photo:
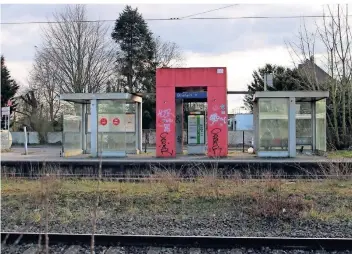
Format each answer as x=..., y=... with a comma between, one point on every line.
x=212, y=10
x=173, y=19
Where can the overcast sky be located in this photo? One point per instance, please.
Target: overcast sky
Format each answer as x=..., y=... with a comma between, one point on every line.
x=241, y=45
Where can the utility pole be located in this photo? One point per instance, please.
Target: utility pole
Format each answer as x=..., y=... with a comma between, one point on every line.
x=268, y=80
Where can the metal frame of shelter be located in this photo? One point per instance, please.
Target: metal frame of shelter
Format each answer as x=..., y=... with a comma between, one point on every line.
x=106, y=124
x=276, y=115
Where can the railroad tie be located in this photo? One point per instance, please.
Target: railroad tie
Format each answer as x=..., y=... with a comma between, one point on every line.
x=74, y=249
x=115, y=250
x=194, y=251
x=31, y=250
x=159, y=250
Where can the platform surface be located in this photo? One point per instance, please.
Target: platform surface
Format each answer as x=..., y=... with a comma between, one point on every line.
x=52, y=154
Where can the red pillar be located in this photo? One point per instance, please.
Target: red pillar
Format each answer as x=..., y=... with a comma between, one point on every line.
x=165, y=122
x=217, y=129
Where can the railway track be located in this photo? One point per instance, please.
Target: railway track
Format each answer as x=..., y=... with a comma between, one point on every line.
x=157, y=178
x=71, y=242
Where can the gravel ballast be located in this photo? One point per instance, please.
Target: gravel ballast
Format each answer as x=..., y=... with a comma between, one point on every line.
x=157, y=250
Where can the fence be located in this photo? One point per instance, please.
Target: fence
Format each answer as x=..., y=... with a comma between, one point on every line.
x=235, y=138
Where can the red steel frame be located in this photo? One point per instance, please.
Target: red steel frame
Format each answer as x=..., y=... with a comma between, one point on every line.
x=215, y=80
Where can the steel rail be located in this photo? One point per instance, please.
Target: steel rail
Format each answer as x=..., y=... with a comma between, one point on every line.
x=183, y=241
x=151, y=178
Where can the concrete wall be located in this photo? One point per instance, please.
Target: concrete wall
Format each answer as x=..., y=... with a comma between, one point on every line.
x=18, y=138
x=234, y=137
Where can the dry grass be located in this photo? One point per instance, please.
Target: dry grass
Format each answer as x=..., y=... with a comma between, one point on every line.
x=170, y=179
x=225, y=187
x=267, y=197
x=340, y=154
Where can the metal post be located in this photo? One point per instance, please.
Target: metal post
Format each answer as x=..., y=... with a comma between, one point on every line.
x=179, y=126
x=268, y=80
x=292, y=127
x=139, y=127
x=94, y=128
x=256, y=125
x=140, y=115
x=146, y=140
x=242, y=141
x=84, y=128
x=314, y=123
x=25, y=141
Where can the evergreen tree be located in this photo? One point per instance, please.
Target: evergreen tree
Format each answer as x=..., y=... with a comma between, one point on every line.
x=137, y=48
x=8, y=89
x=136, y=60
x=285, y=79
x=8, y=86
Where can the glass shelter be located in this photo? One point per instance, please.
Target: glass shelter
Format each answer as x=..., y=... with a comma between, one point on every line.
x=107, y=124
x=287, y=122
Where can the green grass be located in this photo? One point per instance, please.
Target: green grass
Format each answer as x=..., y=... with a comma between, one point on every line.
x=323, y=200
x=340, y=154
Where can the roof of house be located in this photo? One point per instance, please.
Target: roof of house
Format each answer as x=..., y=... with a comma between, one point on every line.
x=320, y=74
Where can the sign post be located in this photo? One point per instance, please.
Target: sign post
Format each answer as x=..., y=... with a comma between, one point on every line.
x=25, y=141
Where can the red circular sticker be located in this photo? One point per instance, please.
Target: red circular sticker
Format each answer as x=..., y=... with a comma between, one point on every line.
x=103, y=121
x=116, y=121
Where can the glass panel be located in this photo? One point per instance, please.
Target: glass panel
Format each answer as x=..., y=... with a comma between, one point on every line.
x=320, y=116
x=273, y=124
x=111, y=127
x=130, y=119
x=72, y=129
x=131, y=141
x=304, y=125
x=88, y=142
x=87, y=128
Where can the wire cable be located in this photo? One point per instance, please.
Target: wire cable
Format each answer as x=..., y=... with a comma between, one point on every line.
x=212, y=10
x=172, y=19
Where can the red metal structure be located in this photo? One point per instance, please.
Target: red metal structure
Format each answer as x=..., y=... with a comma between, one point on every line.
x=214, y=81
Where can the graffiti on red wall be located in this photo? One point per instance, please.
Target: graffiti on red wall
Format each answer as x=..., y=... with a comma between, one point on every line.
x=164, y=144
x=215, y=136
x=215, y=118
x=165, y=122
x=165, y=117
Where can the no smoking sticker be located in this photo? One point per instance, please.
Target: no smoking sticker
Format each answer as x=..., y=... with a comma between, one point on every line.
x=116, y=121
x=103, y=121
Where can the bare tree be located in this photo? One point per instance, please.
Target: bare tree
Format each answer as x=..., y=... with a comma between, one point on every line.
x=31, y=109
x=333, y=35
x=81, y=51
x=168, y=54
x=44, y=82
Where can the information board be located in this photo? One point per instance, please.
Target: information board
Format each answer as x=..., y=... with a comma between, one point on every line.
x=244, y=122
x=196, y=129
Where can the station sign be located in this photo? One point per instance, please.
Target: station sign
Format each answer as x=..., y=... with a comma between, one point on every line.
x=191, y=95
